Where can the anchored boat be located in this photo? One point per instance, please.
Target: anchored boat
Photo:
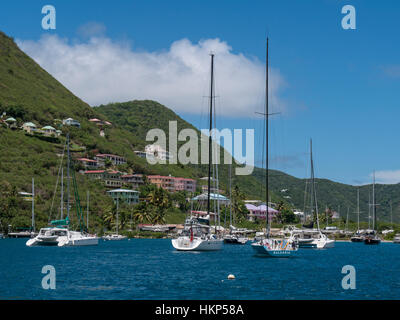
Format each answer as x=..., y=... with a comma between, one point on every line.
x=268, y=246
x=195, y=237
x=58, y=234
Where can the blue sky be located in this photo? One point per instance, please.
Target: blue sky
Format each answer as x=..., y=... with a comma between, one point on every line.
x=340, y=86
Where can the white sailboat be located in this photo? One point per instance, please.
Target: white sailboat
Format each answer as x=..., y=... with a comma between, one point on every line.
x=372, y=235
x=59, y=234
x=115, y=236
x=268, y=246
x=357, y=236
x=314, y=238
x=194, y=236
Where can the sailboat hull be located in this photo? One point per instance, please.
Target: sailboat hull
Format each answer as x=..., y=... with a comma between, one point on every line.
x=371, y=241
x=275, y=248
x=197, y=244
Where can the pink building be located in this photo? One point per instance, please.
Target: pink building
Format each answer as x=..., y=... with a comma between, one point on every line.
x=173, y=184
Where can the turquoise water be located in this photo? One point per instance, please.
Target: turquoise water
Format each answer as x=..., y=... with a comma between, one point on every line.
x=152, y=269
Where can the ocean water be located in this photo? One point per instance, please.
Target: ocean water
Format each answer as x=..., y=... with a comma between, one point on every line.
x=152, y=269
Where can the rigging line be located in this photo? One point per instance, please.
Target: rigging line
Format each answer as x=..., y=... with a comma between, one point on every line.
x=58, y=176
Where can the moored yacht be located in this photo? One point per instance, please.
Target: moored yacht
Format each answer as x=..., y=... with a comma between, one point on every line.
x=371, y=236
x=268, y=246
x=314, y=238
x=197, y=236
x=59, y=234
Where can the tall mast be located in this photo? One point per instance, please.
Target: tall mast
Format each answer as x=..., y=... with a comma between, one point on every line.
x=373, y=204
x=117, y=211
x=68, y=179
x=266, y=139
x=369, y=210
x=358, y=209
x=62, y=194
x=33, y=204
x=230, y=195
x=87, y=210
x=391, y=215
x=313, y=191
x=209, y=138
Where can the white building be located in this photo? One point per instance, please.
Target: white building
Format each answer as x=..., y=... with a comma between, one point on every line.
x=157, y=152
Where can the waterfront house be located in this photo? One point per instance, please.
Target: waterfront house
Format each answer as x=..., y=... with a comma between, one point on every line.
x=124, y=196
x=29, y=127
x=71, y=122
x=202, y=198
x=260, y=211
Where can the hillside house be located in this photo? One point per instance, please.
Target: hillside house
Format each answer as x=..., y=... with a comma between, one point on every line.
x=111, y=179
x=71, y=122
x=135, y=180
x=129, y=197
x=49, y=131
x=115, y=159
x=29, y=127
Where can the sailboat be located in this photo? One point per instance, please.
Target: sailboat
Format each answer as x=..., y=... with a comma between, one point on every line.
x=115, y=236
x=372, y=235
x=268, y=246
x=314, y=238
x=59, y=234
x=196, y=236
x=358, y=237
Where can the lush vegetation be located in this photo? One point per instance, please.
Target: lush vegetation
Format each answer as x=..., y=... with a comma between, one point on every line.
x=29, y=93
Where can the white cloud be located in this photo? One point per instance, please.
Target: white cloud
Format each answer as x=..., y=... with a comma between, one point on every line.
x=92, y=29
x=387, y=176
x=100, y=71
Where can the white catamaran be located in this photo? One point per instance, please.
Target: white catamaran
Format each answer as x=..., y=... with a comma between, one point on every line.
x=269, y=246
x=196, y=236
x=58, y=234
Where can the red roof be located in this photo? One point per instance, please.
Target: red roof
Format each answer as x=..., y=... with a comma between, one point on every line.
x=86, y=160
x=94, y=171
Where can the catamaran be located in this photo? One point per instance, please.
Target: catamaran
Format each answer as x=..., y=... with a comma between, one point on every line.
x=372, y=235
x=58, y=234
x=267, y=245
x=314, y=238
x=195, y=236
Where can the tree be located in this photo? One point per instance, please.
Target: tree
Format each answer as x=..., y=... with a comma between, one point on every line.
x=239, y=209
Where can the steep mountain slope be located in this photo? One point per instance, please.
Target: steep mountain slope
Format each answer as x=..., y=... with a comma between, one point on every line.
x=29, y=93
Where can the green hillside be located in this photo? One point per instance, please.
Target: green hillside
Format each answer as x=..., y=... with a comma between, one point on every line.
x=29, y=93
